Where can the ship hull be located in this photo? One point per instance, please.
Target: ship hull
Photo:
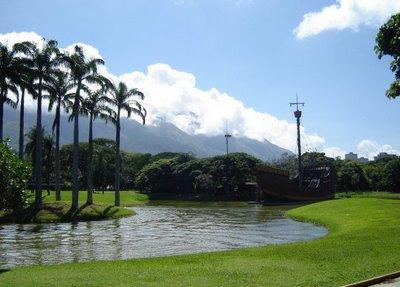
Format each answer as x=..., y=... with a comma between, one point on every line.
x=277, y=187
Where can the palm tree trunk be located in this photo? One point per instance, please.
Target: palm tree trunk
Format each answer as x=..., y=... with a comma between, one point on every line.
x=48, y=157
x=117, y=162
x=38, y=150
x=2, y=96
x=90, y=167
x=57, y=153
x=21, y=126
x=75, y=152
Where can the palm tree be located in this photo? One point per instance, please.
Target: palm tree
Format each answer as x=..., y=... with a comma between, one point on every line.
x=25, y=84
x=94, y=106
x=59, y=94
x=82, y=71
x=42, y=63
x=48, y=146
x=121, y=98
x=10, y=68
x=30, y=148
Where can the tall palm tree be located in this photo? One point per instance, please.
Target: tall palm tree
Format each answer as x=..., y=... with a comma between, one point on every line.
x=30, y=147
x=48, y=146
x=59, y=94
x=5, y=87
x=25, y=84
x=42, y=63
x=94, y=106
x=83, y=71
x=10, y=69
x=122, y=99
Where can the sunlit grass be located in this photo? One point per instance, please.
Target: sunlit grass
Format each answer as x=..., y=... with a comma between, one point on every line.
x=59, y=211
x=128, y=198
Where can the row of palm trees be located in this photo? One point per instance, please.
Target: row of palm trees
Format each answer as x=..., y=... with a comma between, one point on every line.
x=70, y=82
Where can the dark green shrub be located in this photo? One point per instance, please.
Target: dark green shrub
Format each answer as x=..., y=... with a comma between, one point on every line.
x=14, y=174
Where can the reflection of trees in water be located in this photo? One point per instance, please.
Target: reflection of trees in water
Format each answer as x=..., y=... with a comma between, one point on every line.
x=90, y=248
x=154, y=231
x=117, y=239
x=73, y=249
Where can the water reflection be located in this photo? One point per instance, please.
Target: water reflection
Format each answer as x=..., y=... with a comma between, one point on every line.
x=161, y=228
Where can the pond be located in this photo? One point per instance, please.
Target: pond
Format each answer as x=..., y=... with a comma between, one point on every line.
x=158, y=229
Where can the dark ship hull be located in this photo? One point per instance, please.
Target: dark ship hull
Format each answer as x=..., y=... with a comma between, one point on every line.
x=277, y=187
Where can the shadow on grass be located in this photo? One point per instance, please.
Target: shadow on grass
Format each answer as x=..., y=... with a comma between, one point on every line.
x=4, y=270
x=89, y=212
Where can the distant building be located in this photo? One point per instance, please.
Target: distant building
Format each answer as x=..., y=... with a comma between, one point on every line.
x=351, y=156
x=363, y=160
x=384, y=155
x=354, y=157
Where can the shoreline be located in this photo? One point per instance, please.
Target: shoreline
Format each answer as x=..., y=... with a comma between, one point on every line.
x=356, y=235
x=54, y=211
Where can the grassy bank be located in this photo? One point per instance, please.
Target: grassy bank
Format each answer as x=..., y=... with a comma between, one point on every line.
x=128, y=198
x=363, y=241
x=59, y=211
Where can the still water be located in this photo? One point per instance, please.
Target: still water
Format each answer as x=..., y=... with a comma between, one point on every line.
x=158, y=229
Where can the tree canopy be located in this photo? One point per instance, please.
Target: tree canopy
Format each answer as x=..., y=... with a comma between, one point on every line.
x=388, y=43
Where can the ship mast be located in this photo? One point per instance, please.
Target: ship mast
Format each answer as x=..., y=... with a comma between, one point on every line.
x=227, y=136
x=297, y=114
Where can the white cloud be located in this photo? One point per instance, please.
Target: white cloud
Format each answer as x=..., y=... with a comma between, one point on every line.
x=179, y=2
x=12, y=38
x=346, y=14
x=369, y=149
x=173, y=96
x=334, y=152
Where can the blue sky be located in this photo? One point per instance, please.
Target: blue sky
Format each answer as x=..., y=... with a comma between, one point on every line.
x=244, y=48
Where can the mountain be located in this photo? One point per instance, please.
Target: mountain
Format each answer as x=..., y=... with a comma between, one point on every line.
x=147, y=139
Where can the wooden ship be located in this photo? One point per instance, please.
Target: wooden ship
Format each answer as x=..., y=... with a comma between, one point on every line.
x=312, y=183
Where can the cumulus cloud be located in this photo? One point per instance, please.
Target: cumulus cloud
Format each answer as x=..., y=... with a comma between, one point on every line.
x=346, y=14
x=12, y=38
x=369, y=149
x=334, y=152
x=173, y=96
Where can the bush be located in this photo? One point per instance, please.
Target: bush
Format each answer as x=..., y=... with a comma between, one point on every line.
x=392, y=175
x=13, y=178
x=185, y=176
x=351, y=177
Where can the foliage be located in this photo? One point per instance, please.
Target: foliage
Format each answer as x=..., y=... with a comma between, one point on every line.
x=289, y=162
x=103, y=165
x=381, y=174
x=13, y=178
x=388, y=43
x=47, y=147
x=351, y=177
x=186, y=176
x=392, y=175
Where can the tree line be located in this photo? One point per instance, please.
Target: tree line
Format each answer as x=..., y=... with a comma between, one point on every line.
x=71, y=83
x=164, y=175
x=379, y=175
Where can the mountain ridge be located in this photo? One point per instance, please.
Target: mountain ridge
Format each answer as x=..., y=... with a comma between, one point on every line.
x=163, y=137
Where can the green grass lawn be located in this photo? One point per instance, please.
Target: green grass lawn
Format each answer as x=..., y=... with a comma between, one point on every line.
x=128, y=198
x=53, y=211
x=363, y=241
